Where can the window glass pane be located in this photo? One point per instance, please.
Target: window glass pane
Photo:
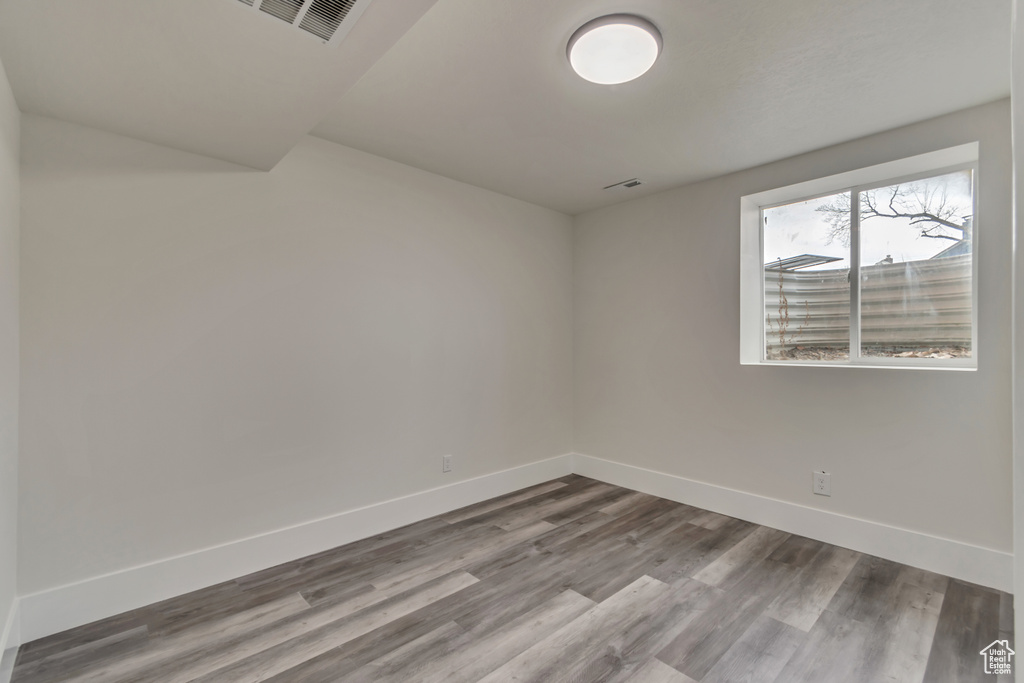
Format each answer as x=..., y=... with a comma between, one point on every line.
x=807, y=279
x=915, y=251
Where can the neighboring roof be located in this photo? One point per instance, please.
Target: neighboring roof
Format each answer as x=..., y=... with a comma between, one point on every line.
x=960, y=248
x=798, y=262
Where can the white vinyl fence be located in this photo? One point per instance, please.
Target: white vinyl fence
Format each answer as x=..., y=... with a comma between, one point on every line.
x=912, y=304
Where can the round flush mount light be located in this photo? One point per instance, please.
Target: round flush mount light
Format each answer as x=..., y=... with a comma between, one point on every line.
x=614, y=49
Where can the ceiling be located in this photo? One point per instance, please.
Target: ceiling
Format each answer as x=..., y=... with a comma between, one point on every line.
x=481, y=91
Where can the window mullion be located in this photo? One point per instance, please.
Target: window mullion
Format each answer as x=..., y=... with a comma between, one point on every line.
x=854, y=275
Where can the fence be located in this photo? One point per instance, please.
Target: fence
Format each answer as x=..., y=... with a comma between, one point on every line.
x=912, y=304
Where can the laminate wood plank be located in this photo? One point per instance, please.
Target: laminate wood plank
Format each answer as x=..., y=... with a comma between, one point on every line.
x=627, y=650
x=656, y=671
x=471, y=656
x=710, y=520
x=968, y=622
x=505, y=513
x=83, y=635
x=833, y=648
x=524, y=554
x=401, y=664
x=161, y=653
x=411, y=535
x=703, y=547
x=618, y=527
x=759, y=654
x=585, y=507
x=182, y=612
x=661, y=529
x=904, y=635
x=699, y=647
x=62, y=662
x=631, y=500
x=867, y=591
x=216, y=650
x=509, y=597
x=514, y=519
x=326, y=570
x=607, y=536
x=260, y=659
x=451, y=561
x=922, y=578
x=406, y=558
x=754, y=547
x=342, y=660
x=813, y=587
x=576, y=644
x=669, y=558
x=578, y=556
x=335, y=592
x=471, y=511
x=797, y=551
x=626, y=653
x=481, y=607
x=622, y=563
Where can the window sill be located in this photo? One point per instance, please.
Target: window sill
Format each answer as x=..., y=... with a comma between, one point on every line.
x=959, y=367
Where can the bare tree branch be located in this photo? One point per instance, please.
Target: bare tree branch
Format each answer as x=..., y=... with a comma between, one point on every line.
x=919, y=203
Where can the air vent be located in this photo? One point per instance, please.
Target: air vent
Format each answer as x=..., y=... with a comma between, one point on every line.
x=286, y=10
x=328, y=20
x=632, y=182
x=323, y=16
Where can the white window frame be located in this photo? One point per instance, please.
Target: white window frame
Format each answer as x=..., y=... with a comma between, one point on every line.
x=752, y=333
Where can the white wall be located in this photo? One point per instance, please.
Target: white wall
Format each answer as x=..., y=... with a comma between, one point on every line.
x=658, y=383
x=9, y=201
x=211, y=353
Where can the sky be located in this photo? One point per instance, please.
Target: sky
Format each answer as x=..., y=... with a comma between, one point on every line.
x=798, y=228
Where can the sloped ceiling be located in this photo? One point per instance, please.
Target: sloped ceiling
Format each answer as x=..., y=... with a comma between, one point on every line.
x=208, y=76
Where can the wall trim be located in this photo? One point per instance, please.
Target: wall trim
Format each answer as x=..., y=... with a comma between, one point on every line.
x=10, y=639
x=54, y=610
x=983, y=566
x=58, y=609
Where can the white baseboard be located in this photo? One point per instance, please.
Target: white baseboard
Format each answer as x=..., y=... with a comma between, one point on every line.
x=58, y=609
x=971, y=563
x=52, y=611
x=10, y=639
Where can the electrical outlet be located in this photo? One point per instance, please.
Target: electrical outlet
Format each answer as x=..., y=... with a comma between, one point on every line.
x=822, y=483
x=446, y=463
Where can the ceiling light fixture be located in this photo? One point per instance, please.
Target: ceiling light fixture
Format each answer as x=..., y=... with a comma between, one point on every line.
x=614, y=49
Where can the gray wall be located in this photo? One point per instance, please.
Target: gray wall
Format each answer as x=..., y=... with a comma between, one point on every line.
x=658, y=383
x=9, y=201
x=212, y=353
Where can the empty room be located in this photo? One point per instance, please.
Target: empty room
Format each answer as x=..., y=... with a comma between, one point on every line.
x=511, y=340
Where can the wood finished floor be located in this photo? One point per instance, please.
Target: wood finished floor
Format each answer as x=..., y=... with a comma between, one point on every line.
x=573, y=580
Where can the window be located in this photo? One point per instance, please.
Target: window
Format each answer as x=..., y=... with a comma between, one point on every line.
x=872, y=267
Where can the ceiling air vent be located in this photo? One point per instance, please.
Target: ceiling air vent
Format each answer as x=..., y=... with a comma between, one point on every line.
x=323, y=16
x=328, y=20
x=286, y=10
x=632, y=182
